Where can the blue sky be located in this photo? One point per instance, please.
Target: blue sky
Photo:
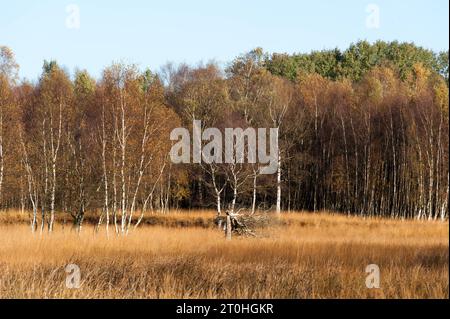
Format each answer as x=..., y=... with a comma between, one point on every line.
x=150, y=33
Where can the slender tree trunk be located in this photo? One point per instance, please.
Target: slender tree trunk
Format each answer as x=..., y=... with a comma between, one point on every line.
x=255, y=176
x=116, y=226
x=45, y=193
x=278, y=206
x=54, y=156
x=105, y=173
x=52, y=198
x=122, y=168
x=347, y=171
x=235, y=191
x=149, y=198
x=228, y=228
x=31, y=187
x=142, y=166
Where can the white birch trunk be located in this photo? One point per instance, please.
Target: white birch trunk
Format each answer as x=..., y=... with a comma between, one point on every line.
x=278, y=207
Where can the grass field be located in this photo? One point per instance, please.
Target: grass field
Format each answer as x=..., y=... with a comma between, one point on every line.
x=182, y=255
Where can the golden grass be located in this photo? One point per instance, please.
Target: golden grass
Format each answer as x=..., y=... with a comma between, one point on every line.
x=303, y=256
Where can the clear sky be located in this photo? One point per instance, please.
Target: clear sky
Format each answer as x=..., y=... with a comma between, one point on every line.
x=151, y=33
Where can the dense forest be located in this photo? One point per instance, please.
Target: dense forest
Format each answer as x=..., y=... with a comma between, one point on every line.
x=362, y=131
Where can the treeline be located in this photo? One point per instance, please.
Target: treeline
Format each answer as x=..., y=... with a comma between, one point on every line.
x=357, y=60
x=361, y=132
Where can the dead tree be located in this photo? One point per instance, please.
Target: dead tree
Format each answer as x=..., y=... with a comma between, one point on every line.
x=238, y=224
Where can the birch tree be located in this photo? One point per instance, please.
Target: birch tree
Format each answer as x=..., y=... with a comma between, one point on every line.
x=55, y=97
